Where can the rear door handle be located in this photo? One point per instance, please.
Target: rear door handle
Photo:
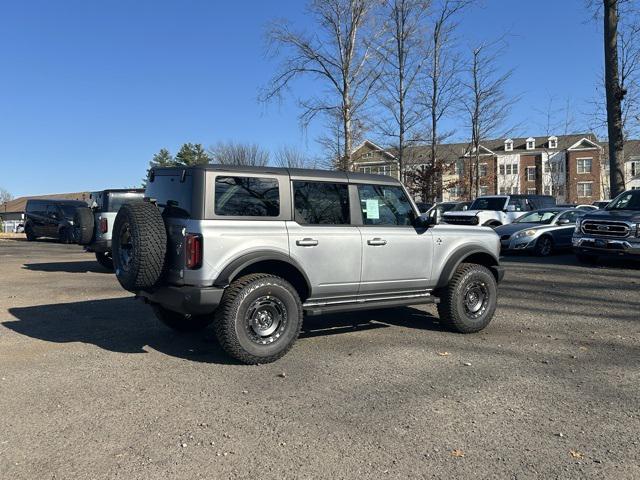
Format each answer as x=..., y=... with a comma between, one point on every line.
x=376, y=242
x=307, y=242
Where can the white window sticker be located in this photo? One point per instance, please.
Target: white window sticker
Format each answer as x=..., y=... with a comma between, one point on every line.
x=373, y=212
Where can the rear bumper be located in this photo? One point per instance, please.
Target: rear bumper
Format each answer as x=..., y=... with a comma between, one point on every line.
x=99, y=246
x=185, y=300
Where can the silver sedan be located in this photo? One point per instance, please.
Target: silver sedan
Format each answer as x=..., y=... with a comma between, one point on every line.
x=540, y=231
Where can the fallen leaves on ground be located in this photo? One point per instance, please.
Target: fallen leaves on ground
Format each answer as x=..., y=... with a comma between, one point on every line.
x=576, y=454
x=444, y=354
x=457, y=453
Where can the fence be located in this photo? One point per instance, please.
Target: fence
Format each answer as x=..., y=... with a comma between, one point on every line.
x=9, y=226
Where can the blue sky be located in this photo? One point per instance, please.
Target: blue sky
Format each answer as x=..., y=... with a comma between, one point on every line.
x=90, y=90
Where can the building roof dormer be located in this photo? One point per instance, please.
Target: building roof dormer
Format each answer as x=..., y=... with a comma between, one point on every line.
x=508, y=145
x=531, y=143
x=552, y=141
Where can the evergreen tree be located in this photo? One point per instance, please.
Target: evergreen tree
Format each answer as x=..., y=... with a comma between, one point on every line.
x=161, y=159
x=192, y=154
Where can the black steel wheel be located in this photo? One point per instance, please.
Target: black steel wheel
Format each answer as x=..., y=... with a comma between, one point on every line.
x=259, y=318
x=468, y=302
x=105, y=259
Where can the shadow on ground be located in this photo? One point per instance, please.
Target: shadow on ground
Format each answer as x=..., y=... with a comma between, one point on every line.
x=67, y=267
x=127, y=326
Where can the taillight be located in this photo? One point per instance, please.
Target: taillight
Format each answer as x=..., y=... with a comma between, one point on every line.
x=104, y=225
x=193, y=251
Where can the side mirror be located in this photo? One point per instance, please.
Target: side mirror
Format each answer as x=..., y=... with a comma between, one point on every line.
x=425, y=221
x=565, y=221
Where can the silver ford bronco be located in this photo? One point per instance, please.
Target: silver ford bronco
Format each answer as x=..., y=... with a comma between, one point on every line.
x=250, y=249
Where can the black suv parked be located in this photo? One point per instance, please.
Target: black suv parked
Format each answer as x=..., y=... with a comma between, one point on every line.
x=615, y=230
x=51, y=218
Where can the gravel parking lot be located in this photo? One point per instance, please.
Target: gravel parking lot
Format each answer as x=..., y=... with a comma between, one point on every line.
x=92, y=386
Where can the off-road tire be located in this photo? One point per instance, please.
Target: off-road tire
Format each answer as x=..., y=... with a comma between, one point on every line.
x=587, y=259
x=182, y=323
x=451, y=309
x=232, y=325
x=105, y=260
x=139, y=262
x=83, y=225
x=28, y=232
x=544, y=246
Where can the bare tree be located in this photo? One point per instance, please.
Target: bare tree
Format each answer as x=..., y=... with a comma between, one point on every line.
x=5, y=195
x=238, y=153
x=442, y=85
x=290, y=157
x=485, y=103
x=403, y=55
x=338, y=54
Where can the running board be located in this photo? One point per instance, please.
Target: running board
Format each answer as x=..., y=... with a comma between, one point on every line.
x=321, y=307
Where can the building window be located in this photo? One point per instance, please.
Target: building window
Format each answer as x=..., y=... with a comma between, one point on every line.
x=482, y=170
x=584, y=165
x=483, y=191
x=514, y=190
x=531, y=143
x=557, y=167
x=553, y=142
x=531, y=174
x=458, y=167
x=503, y=191
x=455, y=192
x=531, y=191
x=508, y=145
x=501, y=169
x=635, y=168
x=560, y=190
x=365, y=169
x=511, y=168
x=585, y=189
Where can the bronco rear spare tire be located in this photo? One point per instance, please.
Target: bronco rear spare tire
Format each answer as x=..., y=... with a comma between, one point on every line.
x=83, y=225
x=139, y=245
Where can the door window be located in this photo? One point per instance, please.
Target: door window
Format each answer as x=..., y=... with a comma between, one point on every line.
x=247, y=197
x=385, y=205
x=52, y=211
x=319, y=203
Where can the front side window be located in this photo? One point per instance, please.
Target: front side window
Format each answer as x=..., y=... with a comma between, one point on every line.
x=321, y=203
x=247, y=197
x=584, y=165
x=385, y=205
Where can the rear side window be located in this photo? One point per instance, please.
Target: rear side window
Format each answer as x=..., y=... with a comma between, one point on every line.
x=319, y=203
x=247, y=197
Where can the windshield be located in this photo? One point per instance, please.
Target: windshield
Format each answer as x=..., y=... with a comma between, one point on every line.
x=488, y=203
x=459, y=207
x=116, y=200
x=626, y=201
x=543, y=217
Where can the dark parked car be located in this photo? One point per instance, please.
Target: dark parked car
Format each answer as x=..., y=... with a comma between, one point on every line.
x=601, y=203
x=51, y=218
x=541, y=231
x=612, y=231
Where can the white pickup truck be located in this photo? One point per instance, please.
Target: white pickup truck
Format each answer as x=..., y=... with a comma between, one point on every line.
x=495, y=210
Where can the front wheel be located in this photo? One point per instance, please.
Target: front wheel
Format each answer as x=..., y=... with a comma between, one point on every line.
x=182, y=323
x=544, y=246
x=105, y=259
x=28, y=231
x=468, y=303
x=259, y=318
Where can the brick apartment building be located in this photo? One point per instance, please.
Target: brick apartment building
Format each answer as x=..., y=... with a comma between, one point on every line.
x=572, y=168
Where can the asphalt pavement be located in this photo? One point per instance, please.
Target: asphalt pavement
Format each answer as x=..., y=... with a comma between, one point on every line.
x=92, y=386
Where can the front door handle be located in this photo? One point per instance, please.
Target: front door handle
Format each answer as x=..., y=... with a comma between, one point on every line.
x=376, y=242
x=307, y=242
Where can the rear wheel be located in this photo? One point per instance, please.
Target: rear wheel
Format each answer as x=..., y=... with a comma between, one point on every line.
x=259, y=318
x=28, y=231
x=105, y=259
x=544, y=246
x=468, y=303
x=65, y=235
x=182, y=323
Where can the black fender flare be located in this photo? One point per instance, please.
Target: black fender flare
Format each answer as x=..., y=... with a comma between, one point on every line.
x=458, y=256
x=238, y=264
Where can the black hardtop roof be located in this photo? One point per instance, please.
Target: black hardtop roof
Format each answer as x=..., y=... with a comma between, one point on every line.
x=294, y=173
x=121, y=190
x=57, y=200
